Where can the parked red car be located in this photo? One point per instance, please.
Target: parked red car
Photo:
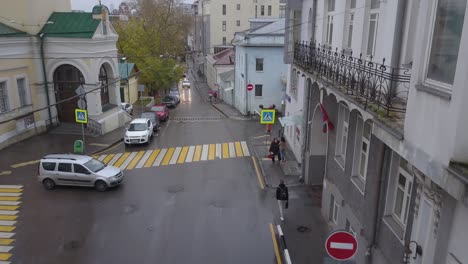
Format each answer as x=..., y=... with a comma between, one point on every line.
x=161, y=110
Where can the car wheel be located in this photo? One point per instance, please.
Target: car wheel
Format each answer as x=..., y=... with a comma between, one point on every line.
x=100, y=186
x=49, y=184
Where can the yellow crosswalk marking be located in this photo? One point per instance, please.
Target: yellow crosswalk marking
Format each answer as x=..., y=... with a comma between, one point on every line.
x=8, y=207
x=8, y=190
x=168, y=156
x=238, y=149
x=211, y=152
x=134, y=162
x=7, y=228
x=9, y=198
x=108, y=158
x=5, y=256
x=197, y=155
x=182, y=155
x=95, y=156
x=122, y=159
x=8, y=217
x=225, y=150
x=6, y=241
x=151, y=158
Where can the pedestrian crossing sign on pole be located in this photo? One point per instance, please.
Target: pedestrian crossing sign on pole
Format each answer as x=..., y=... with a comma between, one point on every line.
x=81, y=116
x=267, y=116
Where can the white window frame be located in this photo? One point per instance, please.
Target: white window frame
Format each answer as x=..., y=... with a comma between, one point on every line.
x=342, y=136
x=269, y=11
x=376, y=30
x=403, y=218
x=430, y=82
x=349, y=30
x=7, y=95
x=262, y=10
x=27, y=90
x=329, y=36
x=335, y=213
x=358, y=178
x=224, y=25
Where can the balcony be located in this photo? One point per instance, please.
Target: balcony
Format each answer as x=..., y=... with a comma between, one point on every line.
x=375, y=86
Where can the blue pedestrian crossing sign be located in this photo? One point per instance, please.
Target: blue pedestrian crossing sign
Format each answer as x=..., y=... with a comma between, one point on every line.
x=81, y=116
x=267, y=116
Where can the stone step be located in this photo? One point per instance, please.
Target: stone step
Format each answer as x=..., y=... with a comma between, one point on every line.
x=70, y=129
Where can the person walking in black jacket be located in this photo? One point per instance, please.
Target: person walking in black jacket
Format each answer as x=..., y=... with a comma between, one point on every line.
x=274, y=149
x=282, y=196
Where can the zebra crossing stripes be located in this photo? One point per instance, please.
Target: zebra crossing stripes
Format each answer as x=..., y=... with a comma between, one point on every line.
x=166, y=156
x=10, y=196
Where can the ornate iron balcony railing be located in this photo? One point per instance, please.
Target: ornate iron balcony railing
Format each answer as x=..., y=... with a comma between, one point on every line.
x=377, y=86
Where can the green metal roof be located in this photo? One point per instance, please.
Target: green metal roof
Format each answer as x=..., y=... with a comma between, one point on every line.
x=71, y=25
x=7, y=31
x=125, y=71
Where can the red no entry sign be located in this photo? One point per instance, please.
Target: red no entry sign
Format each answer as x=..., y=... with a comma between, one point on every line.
x=341, y=245
x=250, y=87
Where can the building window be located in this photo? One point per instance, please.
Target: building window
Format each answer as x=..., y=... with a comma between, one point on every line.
x=269, y=10
x=4, y=104
x=224, y=9
x=224, y=25
x=262, y=10
x=342, y=136
x=329, y=30
x=361, y=152
x=259, y=64
x=448, y=27
x=403, y=188
x=256, y=11
x=352, y=5
x=331, y=5
x=350, y=30
x=224, y=40
x=258, y=90
x=333, y=215
x=22, y=92
x=372, y=40
x=238, y=6
x=238, y=23
x=282, y=11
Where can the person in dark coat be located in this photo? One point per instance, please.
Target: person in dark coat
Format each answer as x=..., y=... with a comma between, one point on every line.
x=282, y=196
x=274, y=149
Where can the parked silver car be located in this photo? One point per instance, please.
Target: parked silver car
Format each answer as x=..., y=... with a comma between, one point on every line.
x=77, y=170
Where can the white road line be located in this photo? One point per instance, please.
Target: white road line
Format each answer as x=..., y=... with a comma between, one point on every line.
x=114, y=159
x=5, y=212
x=7, y=223
x=10, y=194
x=219, y=153
x=175, y=156
x=128, y=160
x=245, y=149
x=232, y=150
x=11, y=186
x=5, y=249
x=9, y=203
x=338, y=245
x=160, y=157
x=145, y=157
x=190, y=153
x=102, y=157
x=204, y=154
x=6, y=234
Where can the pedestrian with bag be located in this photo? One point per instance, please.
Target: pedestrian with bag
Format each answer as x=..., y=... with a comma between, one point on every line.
x=282, y=150
x=282, y=196
x=274, y=149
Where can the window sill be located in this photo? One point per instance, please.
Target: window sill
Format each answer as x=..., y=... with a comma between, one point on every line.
x=359, y=183
x=395, y=227
x=444, y=94
x=259, y=71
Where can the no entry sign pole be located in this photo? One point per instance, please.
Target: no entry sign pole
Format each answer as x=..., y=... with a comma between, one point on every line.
x=341, y=245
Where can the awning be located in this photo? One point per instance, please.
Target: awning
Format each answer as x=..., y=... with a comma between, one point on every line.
x=228, y=89
x=295, y=120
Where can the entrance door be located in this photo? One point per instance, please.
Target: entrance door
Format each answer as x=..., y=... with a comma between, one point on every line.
x=425, y=232
x=67, y=79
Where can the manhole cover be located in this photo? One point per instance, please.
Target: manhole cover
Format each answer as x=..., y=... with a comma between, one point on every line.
x=74, y=244
x=302, y=229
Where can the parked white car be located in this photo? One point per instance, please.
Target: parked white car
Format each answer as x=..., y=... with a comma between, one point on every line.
x=140, y=131
x=186, y=83
x=127, y=107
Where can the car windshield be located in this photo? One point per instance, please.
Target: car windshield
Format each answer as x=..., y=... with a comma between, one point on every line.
x=158, y=108
x=137, y=127
x=167, y=99
x=150, y=116
x=94, y=165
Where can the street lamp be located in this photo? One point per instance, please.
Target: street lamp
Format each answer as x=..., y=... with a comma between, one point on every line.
x=408, y=251
x=127, y=77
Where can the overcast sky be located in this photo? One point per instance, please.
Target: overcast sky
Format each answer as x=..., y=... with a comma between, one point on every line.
x=87, y=5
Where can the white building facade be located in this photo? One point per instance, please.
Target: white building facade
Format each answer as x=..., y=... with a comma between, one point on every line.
x=259, y=61
x=380, y=89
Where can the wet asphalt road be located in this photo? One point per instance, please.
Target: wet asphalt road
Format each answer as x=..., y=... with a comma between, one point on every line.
x=203, y=212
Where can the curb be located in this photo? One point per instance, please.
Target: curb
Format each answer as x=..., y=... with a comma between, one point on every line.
x=286, y=255
x=106, y=148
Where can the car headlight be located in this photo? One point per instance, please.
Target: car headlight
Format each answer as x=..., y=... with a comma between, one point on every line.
x=113, y=178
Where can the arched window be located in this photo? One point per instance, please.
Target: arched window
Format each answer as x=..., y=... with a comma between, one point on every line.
x=104, y=82
x=67, y=78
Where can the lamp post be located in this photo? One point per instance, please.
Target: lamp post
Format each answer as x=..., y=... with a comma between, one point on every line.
x=127, y=78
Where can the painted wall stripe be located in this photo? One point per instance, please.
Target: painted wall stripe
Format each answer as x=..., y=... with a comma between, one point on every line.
x=175, y=156
x=197, y=155
x=183, y=155
x=225, y=150
x=232, y=151
x=190, y=154
x=128, y=160
x=135, y=160
x=204, y=155
x=245, y=149
x=114, y=159
x=238, y=149
x=122, y=159
x=108, y=158
x=219, y=154
x=160, y=157
x=151, y=158
x=211, y=152
x=168, y=156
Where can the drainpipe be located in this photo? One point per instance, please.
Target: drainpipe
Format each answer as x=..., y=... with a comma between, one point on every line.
x=41, y=37
x=306, y=132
